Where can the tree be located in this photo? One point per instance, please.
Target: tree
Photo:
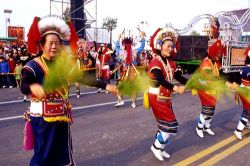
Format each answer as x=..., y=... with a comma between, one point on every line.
x=66, y=14
x=110, y=24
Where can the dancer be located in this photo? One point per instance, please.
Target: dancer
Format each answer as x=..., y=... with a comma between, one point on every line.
x=129, y=71
x=209, y=65
x=245, y=82
x=161, y=71
x=49, y=115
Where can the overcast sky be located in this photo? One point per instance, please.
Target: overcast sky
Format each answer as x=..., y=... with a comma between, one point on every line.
x=128, y=12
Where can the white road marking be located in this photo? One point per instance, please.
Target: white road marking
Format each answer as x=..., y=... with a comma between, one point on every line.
x=13, y=117
x=74, y=108
x=19, y=101
x=9, y=102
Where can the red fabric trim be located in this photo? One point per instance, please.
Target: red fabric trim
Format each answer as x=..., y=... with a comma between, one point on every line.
x=248, y=49
x=216, y=49
x=245, y=102
x=34, y=37
x=245, y=82
x=152, y=39
x=207, y=99
x=161, y=110
x=73, y=38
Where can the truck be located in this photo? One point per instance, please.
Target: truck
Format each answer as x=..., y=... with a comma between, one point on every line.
x=192, y=49
x=224, y=26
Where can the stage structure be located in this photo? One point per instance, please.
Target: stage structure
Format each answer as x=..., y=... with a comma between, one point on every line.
x=76, y=11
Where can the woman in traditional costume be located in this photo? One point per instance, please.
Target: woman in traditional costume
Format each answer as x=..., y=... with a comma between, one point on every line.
x=161, y=71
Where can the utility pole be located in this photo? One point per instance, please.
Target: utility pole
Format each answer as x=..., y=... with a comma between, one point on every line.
x=95, y=31
x=7, y=19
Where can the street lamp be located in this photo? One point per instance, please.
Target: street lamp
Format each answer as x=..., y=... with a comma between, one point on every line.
x=7, y=19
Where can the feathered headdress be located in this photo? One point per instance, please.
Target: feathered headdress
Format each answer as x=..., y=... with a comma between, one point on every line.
x=127, y=43
x=50, y=25
x=160, y=35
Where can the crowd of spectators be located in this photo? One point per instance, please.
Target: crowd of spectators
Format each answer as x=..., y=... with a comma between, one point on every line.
x=12, y=58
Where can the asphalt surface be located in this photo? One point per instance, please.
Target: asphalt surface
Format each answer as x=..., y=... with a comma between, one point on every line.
x=107, y=136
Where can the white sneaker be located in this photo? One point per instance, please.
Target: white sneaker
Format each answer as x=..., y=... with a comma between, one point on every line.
x=24, y=98
x=157, y=153
x=78, y=96
x=209, y=131
x=4, y=86
x=238, y=134
x=99, y=90
x=133, y=105
x=199, y=132
x=165, y=154
x=10, y=87
x=119, y=104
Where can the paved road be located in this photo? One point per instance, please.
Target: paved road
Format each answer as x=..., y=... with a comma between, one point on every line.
x=107, y=136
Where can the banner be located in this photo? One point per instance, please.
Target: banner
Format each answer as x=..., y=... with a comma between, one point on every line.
x=18, y=32
x=238, y=57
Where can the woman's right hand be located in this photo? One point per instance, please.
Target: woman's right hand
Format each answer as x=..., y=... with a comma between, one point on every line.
x=232, y=86
x=112, y=88
x=37, y=90
x=179, y=89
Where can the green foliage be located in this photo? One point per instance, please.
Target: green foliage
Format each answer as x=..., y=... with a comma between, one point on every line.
x=207, y=82
x=244, y=92
x=139, y=84
x=61, y=72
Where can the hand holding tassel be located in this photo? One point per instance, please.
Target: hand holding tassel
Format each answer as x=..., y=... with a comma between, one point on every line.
x=112, y=88
x=179, y=89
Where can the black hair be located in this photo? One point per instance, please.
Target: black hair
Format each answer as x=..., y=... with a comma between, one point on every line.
x=95, y=44
x=43, y=40
x=247, y=60
x=158, y=52
x=109, y=46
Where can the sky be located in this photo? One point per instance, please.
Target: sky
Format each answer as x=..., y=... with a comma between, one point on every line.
x=157, y=13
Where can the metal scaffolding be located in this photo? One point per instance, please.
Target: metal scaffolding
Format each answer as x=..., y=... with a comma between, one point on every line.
x=60, y=7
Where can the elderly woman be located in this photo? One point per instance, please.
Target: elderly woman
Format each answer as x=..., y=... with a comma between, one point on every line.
x=50, y=114
x=162, y=70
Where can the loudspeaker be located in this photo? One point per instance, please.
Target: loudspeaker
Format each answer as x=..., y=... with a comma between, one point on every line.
x=192, y=47
x=199, y=53
x=185, y=53
x=77, y=17
x=199, y=41
x=185, y=41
